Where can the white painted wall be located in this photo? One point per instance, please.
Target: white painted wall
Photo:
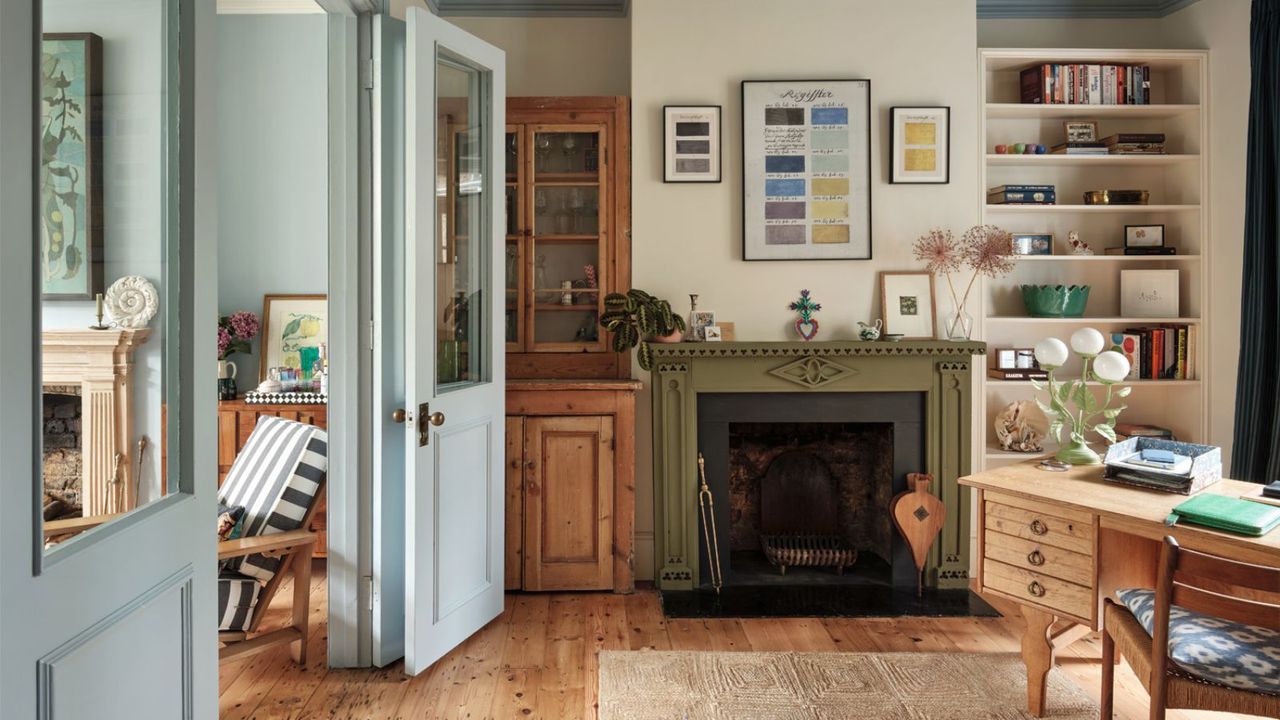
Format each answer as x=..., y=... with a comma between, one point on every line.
x=688, y=238
x=1221, y=26
x=273, y=159
x=133, y=198
x=559, y=56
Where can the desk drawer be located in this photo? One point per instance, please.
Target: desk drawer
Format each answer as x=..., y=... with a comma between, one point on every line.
x=1040, y=527
x=1029, y=555
x=1038, y=589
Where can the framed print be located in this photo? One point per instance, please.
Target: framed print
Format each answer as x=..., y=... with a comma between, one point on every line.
x=1143, y=236
x=293, y=329
x=1080, y=130
x=806, y=170
x=71, y=225
x=711, y=333
x=906, y=302
x=920, y=145
x=691, y=144
x=1149, y=293
x=1032, y=243
x=699, y=321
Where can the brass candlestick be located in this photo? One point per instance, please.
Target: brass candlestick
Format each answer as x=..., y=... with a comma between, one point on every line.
x=98, y=311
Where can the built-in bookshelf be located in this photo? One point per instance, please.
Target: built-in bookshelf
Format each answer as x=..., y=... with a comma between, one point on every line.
x=1179, y=200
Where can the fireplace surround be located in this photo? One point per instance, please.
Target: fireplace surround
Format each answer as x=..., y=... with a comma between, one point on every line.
x=922, y=382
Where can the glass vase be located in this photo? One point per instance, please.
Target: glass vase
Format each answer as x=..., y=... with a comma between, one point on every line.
x=957, y=325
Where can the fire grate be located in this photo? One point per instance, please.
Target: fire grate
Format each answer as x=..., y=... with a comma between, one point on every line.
x=808, y=551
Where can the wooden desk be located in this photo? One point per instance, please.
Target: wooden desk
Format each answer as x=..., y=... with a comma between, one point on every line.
x=1056, y=544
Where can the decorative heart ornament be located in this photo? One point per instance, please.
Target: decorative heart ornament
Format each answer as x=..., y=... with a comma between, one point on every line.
x=808, y=329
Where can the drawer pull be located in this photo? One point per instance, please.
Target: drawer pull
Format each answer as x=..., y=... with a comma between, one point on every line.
x=1035, y=557
x=1038, y=527
x=1036, y=589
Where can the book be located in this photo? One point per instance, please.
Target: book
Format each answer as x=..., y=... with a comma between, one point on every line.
x=1084, y=84
x=1161, y=250
x=1020, y=188
x=1129, y=345
x=1122, y=138
x=998, y=374
x=1013, y=197
x=1137, y=149
x=1137, y=430
x=1178, y=465
x=1222, y=512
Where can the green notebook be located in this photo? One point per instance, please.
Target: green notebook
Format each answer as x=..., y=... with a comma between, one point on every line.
x=1227, y=513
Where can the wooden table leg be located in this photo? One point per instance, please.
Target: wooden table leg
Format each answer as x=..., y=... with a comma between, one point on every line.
x=301, y=600
x=1037, y=654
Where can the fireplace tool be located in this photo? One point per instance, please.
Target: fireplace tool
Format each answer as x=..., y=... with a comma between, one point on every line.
x=706, y=505
x=919, y=516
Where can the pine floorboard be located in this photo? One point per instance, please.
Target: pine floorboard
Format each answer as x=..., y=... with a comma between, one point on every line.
x=539, y=659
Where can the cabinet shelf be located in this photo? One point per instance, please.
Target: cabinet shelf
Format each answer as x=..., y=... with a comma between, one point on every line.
x=1025, y=320
x=1095, y=383
x=1089, y=209
x=565, y=308
x=1089, y=160
x=1107, y=258
x=1031, y=110
x=566, y=238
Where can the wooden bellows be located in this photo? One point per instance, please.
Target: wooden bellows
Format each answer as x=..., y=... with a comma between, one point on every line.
x=919, y=516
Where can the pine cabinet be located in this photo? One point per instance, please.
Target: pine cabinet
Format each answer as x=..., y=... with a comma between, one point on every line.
x=568, y=233
x=570, y=490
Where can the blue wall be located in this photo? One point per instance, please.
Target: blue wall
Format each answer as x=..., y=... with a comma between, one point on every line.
x=272, y=163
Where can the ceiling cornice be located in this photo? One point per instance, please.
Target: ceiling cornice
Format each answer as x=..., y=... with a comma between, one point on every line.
x=530, y=8
x=268, y=7
x=1078, y=9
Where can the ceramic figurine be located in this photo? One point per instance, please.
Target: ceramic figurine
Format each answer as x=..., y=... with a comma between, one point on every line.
x=1022, y=427
x=1078, y=246
x=1041, y=149
x=806, y=325
x=1019, y=148
x=1002, y=149
x=870, y=332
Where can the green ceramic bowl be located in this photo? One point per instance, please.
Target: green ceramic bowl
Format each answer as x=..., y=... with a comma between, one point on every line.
x=1055, y=300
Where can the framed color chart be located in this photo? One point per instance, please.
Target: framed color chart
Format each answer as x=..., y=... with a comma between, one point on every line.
x=920, y=145
x=691, y=143
x=806, y=170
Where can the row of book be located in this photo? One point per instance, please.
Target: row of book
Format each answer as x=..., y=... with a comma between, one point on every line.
x=1118, y=144
x=1082, y=84
x=1022, y=195
x=1164, y=352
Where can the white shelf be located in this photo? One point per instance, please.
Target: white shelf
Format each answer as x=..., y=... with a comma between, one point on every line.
x=1134, y=159
x=1087, y=209
x=1023, y=320
x=1095, y=383
x=1031, y=110
x=1104, y=258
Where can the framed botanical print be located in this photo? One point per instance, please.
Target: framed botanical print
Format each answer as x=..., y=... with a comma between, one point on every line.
x=806, y=170
x=71, y=224
x=906, y=302
x=691, y=144
x=920, y=145
x=293, y=329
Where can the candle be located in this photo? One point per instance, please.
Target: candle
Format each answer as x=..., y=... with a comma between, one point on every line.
x=97, y=301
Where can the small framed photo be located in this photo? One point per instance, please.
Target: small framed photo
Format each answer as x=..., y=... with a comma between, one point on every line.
x=1032, y=244
x=920, y=145
x=1081, y=130
x=1149, y=293
x=711, y=333
x=1016, y=359
x=1143, y=236
x=699, y=321
x=906, y=302
x=691, y=144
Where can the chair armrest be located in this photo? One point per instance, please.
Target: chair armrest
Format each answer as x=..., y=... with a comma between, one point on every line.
x=262, y=544
x=74, y=526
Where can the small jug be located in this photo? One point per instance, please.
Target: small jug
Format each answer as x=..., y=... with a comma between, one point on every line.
x=870, y=332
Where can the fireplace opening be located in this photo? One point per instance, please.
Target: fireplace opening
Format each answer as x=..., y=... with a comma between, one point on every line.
x=63, y=462
x=806, y=503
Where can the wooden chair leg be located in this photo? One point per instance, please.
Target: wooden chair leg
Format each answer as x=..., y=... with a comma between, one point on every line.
x=301, y=600
x=1109, y=658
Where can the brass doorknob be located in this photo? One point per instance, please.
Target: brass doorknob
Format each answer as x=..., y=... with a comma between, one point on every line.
x=399, y=415
x=436, y=418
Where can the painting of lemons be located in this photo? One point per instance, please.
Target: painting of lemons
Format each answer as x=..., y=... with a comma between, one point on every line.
x=296, y=326
x=70, y=166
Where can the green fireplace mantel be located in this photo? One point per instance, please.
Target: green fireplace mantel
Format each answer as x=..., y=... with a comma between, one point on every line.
x=938, y=369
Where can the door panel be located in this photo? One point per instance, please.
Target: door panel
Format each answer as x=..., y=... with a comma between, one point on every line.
x=515, y=502
x=569, y=503
x=454, y=336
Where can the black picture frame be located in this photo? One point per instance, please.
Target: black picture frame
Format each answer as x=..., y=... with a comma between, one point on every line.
x=746, y=252
x=894, y=142
x=91, y=105
x=716, y=140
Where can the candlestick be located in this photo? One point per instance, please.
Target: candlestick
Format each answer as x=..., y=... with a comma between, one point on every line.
x=98, y=311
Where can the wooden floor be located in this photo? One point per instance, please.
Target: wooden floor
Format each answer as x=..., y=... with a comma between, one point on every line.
x=538, y=659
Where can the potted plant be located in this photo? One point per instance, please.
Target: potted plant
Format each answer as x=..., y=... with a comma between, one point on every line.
x=637, y=318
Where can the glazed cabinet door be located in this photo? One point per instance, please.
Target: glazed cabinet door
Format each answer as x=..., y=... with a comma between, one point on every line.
x=568, y=503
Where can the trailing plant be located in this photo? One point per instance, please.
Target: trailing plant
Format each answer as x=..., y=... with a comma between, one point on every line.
x=635, y=318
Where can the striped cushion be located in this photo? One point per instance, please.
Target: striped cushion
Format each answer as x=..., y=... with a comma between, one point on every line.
x=276, y=478
x=237, y=596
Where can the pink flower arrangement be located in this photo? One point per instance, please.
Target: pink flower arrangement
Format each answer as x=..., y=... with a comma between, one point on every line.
x=235, y=331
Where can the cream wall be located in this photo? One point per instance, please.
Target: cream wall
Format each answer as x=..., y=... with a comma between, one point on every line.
x=559, y=56
x=688, y=238
x=1221, y=26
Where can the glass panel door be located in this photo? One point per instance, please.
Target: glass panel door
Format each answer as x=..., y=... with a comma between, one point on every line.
x=516, y=231
x=566, y=258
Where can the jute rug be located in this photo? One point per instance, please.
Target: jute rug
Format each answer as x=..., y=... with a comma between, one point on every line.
x=863, y=686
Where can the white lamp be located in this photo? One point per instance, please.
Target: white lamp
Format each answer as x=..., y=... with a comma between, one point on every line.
x=1088, y=342
x=1051, y=353
x=1111, y=367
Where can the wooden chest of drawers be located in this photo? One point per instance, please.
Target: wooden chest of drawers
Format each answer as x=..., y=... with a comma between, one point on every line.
x=1040, y=554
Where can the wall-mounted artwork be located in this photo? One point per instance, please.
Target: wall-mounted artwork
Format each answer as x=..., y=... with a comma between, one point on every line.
x=806, y=170
x=70, y=229
x=691, y=144
x=294, y=328
x=920, y=145
x=907, y=304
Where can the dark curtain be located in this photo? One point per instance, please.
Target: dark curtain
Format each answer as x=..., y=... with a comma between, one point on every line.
x=1256, y=451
